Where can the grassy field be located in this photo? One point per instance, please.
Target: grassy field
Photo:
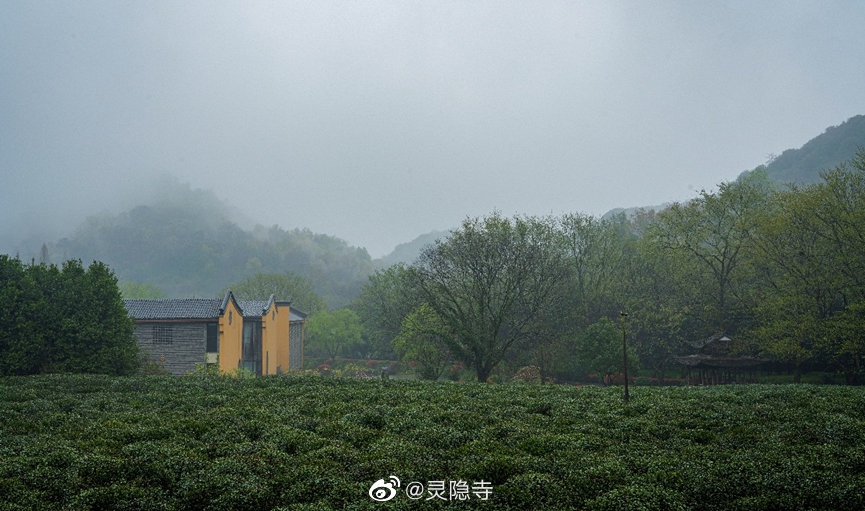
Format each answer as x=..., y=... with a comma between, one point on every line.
x=89, y=442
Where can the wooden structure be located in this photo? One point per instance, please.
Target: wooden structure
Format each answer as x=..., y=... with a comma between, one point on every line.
x=718, y=361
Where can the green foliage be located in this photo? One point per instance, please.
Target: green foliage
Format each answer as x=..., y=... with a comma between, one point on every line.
x=597, y=251
x=810, y=249
x=711, y=236
x=188, y=243
x=489, y=283
x=421, y=341
x=384, y=301
x=68, y=319
x=333, y=332
x=779, y=269
x=599, y=349
x=289, y=442
x=284, y=286
x=140, y=290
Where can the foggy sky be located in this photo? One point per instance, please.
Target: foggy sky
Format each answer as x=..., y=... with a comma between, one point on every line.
x=379, y=121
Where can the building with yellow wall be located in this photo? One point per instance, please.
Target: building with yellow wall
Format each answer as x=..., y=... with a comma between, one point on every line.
x=181, y=334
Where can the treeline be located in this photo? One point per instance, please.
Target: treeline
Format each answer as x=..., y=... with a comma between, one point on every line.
x=781, y=269
x=67, y=319
x=188, y=244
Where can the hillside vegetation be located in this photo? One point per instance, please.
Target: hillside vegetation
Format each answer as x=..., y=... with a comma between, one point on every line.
x=90, y=442
x=776, y=270
x=837, y=144
x=188, y=244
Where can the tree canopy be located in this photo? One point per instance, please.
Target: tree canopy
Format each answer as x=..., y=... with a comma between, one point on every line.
x=781, y=269
x=63, y=319
x=333, y=333
x=488, y=283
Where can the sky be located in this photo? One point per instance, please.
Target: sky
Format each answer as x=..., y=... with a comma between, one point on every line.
x=379, y=121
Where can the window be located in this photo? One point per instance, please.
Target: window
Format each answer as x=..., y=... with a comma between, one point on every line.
x=162, y=334
x=212, y=338
x=251, y=354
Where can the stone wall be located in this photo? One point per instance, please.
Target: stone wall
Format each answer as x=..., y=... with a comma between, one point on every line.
x=177, y=347
x=295, y=346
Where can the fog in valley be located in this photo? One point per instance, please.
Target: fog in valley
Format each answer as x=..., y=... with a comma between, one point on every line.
x=376, y=122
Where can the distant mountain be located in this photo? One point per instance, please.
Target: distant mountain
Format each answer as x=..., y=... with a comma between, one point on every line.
x=187, y=244
x=834, y=146
x=408, y=252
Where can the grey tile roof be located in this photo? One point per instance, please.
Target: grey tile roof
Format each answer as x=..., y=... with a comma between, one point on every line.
x=196, y=308
x=174, y=308
x=253, y=308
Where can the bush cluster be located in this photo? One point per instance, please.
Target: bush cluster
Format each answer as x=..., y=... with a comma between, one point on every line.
x=63, y=319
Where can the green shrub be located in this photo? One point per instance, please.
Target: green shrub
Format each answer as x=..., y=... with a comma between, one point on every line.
x=90, y=442
x=640, y=498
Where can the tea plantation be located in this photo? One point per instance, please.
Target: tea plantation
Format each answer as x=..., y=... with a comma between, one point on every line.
x=91, y=442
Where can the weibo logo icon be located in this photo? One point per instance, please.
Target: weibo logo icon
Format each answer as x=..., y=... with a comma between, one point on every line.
x=380, y=491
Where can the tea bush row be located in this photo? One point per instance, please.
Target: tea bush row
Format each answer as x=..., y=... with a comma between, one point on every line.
x=90, y=442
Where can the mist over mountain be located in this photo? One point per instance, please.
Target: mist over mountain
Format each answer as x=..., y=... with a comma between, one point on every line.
x=190, y=243
x=837, y=144
x=408, y=252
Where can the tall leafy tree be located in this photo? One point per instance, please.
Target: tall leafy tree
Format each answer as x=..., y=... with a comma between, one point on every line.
x=95, y=328
x=597, y=253
x=489, y=283
x=809, y=251
x=840, y=219
x=711, y=235
x=802, y=281
x=24, y=335
x=659, y=300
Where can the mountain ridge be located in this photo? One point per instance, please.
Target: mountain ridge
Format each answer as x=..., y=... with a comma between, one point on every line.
x=197, y=233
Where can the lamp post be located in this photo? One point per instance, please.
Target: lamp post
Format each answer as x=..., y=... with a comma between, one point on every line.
x=625, y=353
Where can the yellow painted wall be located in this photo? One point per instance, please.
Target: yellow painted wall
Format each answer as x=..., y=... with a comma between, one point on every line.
x=268, y=347
x=284, y=322
x=230, y=338
x=274, y=340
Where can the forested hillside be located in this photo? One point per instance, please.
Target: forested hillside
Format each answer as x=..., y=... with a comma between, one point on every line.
x=834, y=146
x=777, y=270
x=408, y=252
x=188, y=244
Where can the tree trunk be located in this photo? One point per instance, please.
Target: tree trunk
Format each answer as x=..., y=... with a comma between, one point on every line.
x=483, y=374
